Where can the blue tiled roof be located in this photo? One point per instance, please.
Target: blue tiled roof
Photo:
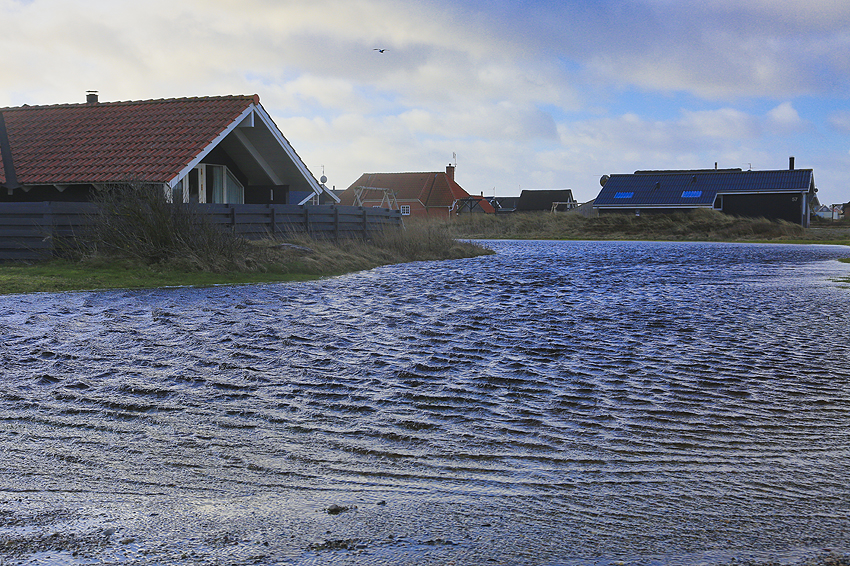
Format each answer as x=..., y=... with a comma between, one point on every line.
x=696, y=189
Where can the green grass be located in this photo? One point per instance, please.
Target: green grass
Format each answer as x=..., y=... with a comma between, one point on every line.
x=261, y=262
x=62, y=275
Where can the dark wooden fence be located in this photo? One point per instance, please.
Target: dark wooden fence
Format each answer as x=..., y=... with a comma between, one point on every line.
x=28, y=230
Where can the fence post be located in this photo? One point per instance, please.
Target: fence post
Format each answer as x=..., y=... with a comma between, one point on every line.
x=272, y=220
x=336, y=224
x=307, y=220
x=48, y=226
x=233, y=217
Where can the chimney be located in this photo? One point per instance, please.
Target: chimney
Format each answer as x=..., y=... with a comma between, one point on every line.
x=91, y=97
x=450, y=171
x=791, y=163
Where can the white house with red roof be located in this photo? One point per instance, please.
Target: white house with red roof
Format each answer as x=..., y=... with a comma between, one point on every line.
x=431, y=195
x=218, y=149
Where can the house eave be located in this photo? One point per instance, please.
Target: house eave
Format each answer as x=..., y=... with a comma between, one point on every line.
x=210, y=146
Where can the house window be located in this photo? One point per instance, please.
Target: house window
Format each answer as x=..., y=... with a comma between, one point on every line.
x=226, y=188
x=691, y=194
x=623, y=195
x=405, y=209
x=176, y=192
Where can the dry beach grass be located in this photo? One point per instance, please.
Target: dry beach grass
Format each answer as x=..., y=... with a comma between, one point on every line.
x=699, y=225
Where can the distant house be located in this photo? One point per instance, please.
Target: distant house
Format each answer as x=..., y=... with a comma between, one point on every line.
x=220, y=149
x=822, y=211
x=784, y=194
x=557, y=200
x=431, y=195
x=503, y=204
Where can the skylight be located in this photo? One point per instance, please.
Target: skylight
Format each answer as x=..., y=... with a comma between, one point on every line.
x=623, y=195
x=691, y=194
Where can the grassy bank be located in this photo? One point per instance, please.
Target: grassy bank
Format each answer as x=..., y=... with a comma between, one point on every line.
x=256, y=262
x=701, y=225
x=155, y=251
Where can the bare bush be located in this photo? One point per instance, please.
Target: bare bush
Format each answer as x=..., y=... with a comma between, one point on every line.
x=135, y=221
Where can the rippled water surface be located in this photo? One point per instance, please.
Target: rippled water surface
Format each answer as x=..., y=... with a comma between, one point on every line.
x=557, y=403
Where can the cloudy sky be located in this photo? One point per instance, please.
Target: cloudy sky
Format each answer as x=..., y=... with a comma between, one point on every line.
x=537, y=94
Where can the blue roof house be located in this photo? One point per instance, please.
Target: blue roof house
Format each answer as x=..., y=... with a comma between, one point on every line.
x=777, y=195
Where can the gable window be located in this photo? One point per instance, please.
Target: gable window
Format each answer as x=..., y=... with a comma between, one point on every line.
x=691, y=194
x=405, y=209
x=623, y=195
x=225, y=187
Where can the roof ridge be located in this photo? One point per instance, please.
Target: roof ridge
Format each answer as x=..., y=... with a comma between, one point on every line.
x=650, y=173
x=254, y=97
x=407, y=173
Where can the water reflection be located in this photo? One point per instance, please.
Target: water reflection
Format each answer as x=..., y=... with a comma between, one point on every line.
x=558, y=401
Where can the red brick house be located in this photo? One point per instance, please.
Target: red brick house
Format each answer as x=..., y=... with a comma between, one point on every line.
x=219, y=149
x=424, y=195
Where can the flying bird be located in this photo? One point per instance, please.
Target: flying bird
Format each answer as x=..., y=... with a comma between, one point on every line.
x=379, y=50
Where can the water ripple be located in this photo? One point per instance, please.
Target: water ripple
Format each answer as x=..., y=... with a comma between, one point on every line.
x=600, y=399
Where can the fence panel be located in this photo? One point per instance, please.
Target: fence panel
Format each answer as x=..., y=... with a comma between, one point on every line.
x=28, y=230
x=25, y=231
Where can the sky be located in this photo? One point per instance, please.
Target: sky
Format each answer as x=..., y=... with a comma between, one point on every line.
x=536, y=94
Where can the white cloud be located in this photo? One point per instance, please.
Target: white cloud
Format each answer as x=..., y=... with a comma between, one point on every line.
x=784, y=117
x=840, y=121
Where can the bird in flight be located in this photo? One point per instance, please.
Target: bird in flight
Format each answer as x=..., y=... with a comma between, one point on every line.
x=379, y=50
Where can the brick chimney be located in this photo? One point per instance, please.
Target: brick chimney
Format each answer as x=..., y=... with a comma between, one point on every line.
x=450, y=171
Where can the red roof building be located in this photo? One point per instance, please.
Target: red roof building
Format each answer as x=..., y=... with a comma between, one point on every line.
x=222, y=149
x=426, y=195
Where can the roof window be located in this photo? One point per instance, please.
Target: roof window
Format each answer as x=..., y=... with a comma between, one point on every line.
x=623, y=195
x=691, y=194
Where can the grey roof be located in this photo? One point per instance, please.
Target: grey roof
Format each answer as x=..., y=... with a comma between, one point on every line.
x=698, y=188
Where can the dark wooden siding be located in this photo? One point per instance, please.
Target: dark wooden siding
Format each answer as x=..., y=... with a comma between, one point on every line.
x=771, y=206
x=39, y=193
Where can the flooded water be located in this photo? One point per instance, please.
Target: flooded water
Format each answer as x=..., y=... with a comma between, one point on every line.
x=557, y=403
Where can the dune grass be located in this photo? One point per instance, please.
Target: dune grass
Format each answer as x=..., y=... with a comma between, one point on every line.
x=258, y=262
x=700, y=225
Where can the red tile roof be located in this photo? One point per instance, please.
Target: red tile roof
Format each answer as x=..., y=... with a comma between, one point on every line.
x=150, y=140
x=433, y=189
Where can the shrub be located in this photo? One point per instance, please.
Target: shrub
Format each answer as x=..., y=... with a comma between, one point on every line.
x=135, y=221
